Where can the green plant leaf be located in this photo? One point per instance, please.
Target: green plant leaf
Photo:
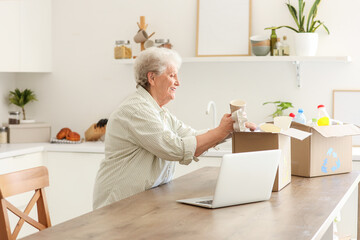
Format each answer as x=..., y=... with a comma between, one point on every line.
x=21, y=98
x=280, y=107
x=304, y=23
x=301, y=17
x=312, y=14
x=293, y=13
x=327, y=30
x=289, y=28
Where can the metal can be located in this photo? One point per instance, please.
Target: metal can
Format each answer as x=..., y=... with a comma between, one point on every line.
x=3, y=135
x=163, y=43
x=122, y=49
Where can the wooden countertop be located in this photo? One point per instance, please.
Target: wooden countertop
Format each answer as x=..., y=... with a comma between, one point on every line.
x=302, y=210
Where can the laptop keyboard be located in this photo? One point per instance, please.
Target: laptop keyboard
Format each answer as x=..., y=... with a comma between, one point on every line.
x=206, y=202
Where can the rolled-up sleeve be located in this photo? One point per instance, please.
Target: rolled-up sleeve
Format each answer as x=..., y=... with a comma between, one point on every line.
x=189, y=149
x=150, y=131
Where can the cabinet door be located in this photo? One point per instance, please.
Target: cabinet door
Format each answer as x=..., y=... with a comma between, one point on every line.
x=72, y=178
x=35, y=39
x=9, y=36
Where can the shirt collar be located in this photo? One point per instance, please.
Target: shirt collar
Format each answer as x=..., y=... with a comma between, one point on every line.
x=145, y=94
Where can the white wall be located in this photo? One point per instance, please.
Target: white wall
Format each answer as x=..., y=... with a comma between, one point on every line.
x=7, y=82
x=87, y=83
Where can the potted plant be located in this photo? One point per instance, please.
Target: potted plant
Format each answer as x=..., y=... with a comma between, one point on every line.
x=306, y=40
x=21, y=98
x=280, y=107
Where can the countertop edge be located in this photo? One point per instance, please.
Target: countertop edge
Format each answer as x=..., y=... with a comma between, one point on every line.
x=13, y=150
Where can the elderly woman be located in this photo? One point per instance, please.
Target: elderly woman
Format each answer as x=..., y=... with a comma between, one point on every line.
x=143, y=139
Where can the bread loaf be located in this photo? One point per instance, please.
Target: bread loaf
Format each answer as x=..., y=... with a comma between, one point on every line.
x=63, y=133
x=73, y=136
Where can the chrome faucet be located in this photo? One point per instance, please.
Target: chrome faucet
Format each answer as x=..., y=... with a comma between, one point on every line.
x=212, y=104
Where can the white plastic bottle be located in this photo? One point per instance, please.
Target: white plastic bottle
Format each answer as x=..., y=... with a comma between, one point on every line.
x=323, y=116
x=300, y=117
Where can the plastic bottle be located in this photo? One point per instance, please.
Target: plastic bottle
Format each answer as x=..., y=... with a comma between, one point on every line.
x=277, y=51
x=312, y=122
x=300, y=117
x=323, y=116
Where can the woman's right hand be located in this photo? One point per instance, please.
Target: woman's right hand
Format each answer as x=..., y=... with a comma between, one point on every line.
x=214, y=136
x=226, y=125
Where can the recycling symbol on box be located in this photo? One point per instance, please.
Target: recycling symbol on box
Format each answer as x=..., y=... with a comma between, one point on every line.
x=331, y=154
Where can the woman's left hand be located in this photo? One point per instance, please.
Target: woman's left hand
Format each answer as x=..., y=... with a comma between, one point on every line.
x=251, y=126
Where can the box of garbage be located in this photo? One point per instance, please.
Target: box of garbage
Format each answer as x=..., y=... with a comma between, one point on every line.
x=327, y=151
x=272, y=137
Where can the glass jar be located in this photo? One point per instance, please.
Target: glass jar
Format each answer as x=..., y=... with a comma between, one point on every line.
x=14, y=117
x=122, y=49
x=163, y=43
x=3, y=135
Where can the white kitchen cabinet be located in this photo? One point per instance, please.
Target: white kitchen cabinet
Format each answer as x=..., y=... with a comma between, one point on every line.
x=25, y=36
x=35, y=41
x=9, y=36
x=72, y=178
x=20, y=201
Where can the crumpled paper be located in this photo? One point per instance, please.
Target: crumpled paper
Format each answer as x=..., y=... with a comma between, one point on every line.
x=240, y=118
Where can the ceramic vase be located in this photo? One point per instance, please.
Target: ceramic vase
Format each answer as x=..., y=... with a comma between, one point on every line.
x=306, y=44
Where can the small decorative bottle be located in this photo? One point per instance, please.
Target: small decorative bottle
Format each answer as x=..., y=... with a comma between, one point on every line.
x=273, y=40
x=285, y=47
x=278, y=48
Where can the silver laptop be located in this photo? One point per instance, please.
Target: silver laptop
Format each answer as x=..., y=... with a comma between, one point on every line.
x=243, y=178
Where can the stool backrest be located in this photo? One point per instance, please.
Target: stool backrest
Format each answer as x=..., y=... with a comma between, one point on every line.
x=34, y=179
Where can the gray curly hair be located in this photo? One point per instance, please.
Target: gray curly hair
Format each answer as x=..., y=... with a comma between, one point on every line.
x=154, y=60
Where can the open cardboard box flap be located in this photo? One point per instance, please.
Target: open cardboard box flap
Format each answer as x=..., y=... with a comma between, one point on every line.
x=294, y=133
x=290, y=132
x=338, y=130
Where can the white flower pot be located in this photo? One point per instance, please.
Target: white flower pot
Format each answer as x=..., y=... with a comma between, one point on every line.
x=306, y=44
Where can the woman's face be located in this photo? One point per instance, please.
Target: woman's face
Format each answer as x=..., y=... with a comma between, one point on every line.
x=163, y=86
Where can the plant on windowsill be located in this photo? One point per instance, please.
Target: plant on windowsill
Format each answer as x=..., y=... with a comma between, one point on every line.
x=306, y=40
x=21, y=98
x=280, y=107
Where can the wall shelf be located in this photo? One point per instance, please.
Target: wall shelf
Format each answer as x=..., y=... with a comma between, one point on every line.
x=270, y=59
x=296, y=60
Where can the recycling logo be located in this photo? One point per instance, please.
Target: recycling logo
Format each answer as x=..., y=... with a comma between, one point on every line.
x=331, y=154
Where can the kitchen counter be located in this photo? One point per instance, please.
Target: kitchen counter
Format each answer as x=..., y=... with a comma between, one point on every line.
x=11, y=150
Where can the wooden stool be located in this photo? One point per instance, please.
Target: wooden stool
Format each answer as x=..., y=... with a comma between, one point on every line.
x=20, y=182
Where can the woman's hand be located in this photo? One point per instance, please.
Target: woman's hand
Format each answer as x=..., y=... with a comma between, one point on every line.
x=226, y=125
x=214, y=136
x=251, y=126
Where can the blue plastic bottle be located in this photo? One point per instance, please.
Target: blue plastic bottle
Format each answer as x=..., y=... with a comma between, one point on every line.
x=300, y=117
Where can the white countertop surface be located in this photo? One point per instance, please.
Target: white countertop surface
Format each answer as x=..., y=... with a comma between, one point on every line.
x=11, y=150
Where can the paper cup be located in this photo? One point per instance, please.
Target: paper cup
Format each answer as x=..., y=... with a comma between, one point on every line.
x=237, y=104
x=283, y=122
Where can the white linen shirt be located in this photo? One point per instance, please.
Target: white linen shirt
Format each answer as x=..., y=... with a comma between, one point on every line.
x=142, y=143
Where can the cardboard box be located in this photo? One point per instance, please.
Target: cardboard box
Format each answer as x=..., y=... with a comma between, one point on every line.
x=29, y=132
x=328, y=151
x=257, y=141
